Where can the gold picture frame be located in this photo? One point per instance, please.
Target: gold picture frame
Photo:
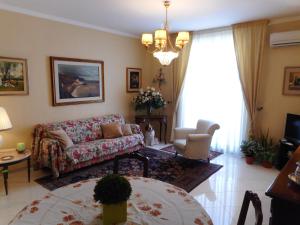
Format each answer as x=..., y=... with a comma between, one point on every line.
x=291, y=82
x=76, y=81
x=133, y=79
x=13, y=76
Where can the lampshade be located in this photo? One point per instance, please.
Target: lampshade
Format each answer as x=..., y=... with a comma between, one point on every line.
x=160, y=34
x=5, y=123
x=183, y=36
x=147, y=39
x=165, y=57
x=182, y=39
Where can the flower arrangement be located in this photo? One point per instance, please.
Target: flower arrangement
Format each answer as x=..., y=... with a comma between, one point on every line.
x=149, y=99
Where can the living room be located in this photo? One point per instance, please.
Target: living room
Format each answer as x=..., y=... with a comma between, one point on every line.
x=242, y=100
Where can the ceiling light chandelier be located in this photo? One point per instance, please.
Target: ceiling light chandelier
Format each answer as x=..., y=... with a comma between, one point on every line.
x=164, y=51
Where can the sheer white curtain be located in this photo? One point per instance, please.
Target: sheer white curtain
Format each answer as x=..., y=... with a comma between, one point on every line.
x=212, y=89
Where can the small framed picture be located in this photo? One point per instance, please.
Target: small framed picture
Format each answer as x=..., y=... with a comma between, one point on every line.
x=77, y=81
x=133, y=79
x=13, y=76
x=291, y=83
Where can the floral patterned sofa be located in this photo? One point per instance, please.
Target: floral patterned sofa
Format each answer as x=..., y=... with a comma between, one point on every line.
x=89, y=146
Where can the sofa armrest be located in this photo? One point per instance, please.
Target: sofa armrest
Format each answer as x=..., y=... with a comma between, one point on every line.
x=51, y=155
x=136, y=129
x=182, y=133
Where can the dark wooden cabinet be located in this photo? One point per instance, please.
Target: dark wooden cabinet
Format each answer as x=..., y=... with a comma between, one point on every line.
x=161, y=119
x=285, y=203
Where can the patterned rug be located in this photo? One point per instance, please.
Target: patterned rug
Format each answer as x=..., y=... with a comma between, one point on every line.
x=163, y=166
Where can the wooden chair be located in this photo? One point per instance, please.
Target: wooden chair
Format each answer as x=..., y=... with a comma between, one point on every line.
x=250, y=196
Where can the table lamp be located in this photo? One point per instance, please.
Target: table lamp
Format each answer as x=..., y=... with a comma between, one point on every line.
x=5, y=123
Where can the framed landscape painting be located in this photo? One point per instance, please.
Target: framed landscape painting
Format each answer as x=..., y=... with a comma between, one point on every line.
x=77, y=81
x=133, y=79
x=291, y=83
x=13, y=76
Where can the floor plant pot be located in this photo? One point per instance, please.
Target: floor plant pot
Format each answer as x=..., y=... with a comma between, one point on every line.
x=250, y=159
x=266, y=164
x=114, y=213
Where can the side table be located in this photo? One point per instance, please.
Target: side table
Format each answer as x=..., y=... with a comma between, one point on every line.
x=10, y=157
x=162, y=119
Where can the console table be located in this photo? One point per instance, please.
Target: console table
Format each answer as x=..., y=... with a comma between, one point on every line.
x=161, y=119
x=285, y=204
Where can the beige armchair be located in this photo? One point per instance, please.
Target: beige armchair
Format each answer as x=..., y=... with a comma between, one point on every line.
x=194, y=143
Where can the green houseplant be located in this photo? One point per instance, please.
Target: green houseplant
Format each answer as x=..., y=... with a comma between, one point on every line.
x=113, y=191
x=267, y=150
x=248, y=148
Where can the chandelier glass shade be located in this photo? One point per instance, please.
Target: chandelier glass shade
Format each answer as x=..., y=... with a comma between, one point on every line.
x=164, y=51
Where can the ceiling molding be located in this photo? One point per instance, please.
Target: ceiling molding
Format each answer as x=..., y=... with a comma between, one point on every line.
x=284, y=20
x=16, y=9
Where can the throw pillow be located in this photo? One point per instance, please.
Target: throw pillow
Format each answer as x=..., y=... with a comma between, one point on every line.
x=111, y=130
x=126, y=129
x=62, y=137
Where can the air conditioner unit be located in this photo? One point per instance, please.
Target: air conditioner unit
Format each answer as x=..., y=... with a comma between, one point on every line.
x=285, y=38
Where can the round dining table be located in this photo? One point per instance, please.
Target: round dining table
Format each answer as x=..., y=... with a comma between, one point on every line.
x=152, y=202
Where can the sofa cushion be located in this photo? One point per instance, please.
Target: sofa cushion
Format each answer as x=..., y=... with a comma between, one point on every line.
x=111, y=130
x=100, y=148
x=62, y=137
x=84, y=130
x=126, y=130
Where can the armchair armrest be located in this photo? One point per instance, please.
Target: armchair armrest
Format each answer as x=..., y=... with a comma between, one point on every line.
x=182, y=133
x=198, y=137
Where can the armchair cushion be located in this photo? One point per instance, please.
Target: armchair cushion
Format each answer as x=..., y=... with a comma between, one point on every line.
x=198, y=137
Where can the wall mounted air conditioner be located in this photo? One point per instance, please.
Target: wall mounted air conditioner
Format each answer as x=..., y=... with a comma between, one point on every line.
x=285, y=38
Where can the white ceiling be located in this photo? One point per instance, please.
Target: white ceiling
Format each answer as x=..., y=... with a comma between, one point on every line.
x=132, y=17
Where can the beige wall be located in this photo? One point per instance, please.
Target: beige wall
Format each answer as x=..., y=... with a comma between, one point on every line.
x=275, y=104
x=36, y=39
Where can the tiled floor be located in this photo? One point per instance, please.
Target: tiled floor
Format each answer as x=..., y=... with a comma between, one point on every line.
x=221, y=195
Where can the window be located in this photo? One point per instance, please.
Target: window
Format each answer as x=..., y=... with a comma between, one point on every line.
x=212, y=89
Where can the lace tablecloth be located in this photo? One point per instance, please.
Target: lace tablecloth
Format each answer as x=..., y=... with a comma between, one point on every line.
x=152, y=202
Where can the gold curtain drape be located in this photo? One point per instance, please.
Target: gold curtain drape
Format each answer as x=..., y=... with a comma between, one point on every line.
x=249, y=41
x=179, y=70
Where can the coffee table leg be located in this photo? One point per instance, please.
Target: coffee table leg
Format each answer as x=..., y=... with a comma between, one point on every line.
x=28, y=168
x=5, y=176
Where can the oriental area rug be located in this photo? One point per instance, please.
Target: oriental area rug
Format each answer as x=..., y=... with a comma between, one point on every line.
x=163, y=165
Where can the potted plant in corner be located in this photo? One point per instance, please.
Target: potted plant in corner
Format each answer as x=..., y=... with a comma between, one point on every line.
x=248, y=148
x=113, y=191
x=266, y=151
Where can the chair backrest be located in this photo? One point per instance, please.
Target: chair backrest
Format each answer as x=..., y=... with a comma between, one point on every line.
x=207, y=127
x=250, y=196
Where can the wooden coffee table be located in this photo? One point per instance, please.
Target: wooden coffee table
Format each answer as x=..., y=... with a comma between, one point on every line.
x=10, y=157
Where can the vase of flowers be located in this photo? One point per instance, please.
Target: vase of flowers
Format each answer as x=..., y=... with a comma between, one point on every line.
x=148, y=100
x=113, y=191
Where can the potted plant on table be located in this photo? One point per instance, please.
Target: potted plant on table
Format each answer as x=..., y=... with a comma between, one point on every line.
x=149, y=99
x=113, y=191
